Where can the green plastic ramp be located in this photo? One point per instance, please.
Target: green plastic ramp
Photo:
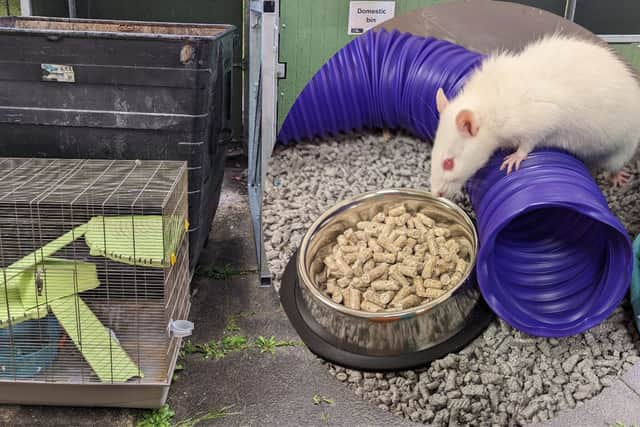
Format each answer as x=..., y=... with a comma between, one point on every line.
x=103, y=353
x=39, y=255
x=134, y=240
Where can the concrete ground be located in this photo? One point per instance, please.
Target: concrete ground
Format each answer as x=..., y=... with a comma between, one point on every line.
x=264, y=389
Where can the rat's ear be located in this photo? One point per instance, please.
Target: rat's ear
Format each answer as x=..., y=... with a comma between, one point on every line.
x=467, y=123
x=441, y=100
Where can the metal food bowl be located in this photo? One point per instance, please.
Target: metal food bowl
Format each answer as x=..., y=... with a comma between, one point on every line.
x=388, y=333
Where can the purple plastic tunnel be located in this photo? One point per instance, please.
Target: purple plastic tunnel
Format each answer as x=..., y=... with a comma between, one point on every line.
x=553, y=259
x=379, y=80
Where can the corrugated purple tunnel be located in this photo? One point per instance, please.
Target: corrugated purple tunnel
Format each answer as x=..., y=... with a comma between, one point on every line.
x=379, y=80
x=553, y=259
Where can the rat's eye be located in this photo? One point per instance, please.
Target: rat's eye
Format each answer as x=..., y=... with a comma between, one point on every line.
x=447, y=164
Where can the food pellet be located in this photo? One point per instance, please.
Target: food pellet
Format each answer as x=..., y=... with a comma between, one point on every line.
x=379, y=217
x=432, y=283
x=386, y=257
x=429, y=222
x=364, y=254
x=370, y=307
x=441, y=232
x=354, y=299
x=389, y=246
x=397, y=276
x=400, y=242
x=369, y=265
x=347, y=249
x=374, y=246
x=378, y=298
x=398, y=211
x=350, y=258
x=385, y=285
x=402, y=293
x=461, y=265
x=392, y=262
x=375, y=273
x=358, y=283
x=357, y=268
x=432, y=293
x=410, y=301
x=407, y=270
x=343, y=282
x=445, y=279
x=337, y=296
x=429, y=263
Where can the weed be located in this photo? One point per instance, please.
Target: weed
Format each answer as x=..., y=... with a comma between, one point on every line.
x=621, y=424
x=157, y=418
x=225, y=272
x=232, y=325
x=163, y=417
x=215, y=414
x=269, y=345
x=324, y=417
x=217, y=349
x=319, y=400
x=179, y=367
x=187, y=348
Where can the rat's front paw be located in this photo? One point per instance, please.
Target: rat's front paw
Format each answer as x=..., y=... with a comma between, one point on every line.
x=620, y=179
x=512, y=162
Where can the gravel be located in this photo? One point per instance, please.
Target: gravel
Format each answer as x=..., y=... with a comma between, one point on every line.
x=504, y=377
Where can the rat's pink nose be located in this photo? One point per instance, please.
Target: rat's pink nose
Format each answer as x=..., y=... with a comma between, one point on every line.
x=440, y=193
x=447, y=164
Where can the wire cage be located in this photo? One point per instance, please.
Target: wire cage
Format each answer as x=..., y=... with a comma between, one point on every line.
x=94, y=278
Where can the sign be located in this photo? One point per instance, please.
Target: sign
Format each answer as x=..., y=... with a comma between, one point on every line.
x=364, y=15
x=58, y=73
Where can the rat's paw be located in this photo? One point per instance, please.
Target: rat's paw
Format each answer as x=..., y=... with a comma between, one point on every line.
x=386, y=135
x=620, y=179
x=512, y=162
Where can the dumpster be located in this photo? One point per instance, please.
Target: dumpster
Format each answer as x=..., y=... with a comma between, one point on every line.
x=99, y=89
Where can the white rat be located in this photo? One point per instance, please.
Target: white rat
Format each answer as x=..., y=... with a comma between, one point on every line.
x=558, y=92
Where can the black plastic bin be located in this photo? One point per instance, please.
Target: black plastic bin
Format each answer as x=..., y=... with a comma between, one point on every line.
x=101, y=89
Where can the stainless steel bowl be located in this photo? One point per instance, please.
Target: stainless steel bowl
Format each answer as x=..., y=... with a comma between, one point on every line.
x=389, y=333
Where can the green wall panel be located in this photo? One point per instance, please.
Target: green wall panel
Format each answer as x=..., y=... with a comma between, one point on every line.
x=311, y=32
x=631, y=52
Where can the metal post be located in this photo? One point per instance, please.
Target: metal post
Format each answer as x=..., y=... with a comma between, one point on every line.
x=25, y=8
x=72, y=9
x=256, y=74
x=570, y=12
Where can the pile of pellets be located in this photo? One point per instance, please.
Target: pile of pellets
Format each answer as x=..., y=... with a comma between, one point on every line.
x=504, y=377
x=394, y=261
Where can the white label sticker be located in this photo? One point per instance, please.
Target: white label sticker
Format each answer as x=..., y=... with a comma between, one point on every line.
x=58, y=73
x=364, y=15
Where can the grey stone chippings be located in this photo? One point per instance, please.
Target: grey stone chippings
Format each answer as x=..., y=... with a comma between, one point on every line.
x=504, y=377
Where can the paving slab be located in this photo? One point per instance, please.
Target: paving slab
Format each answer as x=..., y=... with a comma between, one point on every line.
x=617, y=403
x=632, y=378
x=260, y=389
x=231, y=235
x=348, y=409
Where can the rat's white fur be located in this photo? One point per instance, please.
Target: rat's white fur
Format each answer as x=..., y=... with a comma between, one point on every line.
x=559, y=91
